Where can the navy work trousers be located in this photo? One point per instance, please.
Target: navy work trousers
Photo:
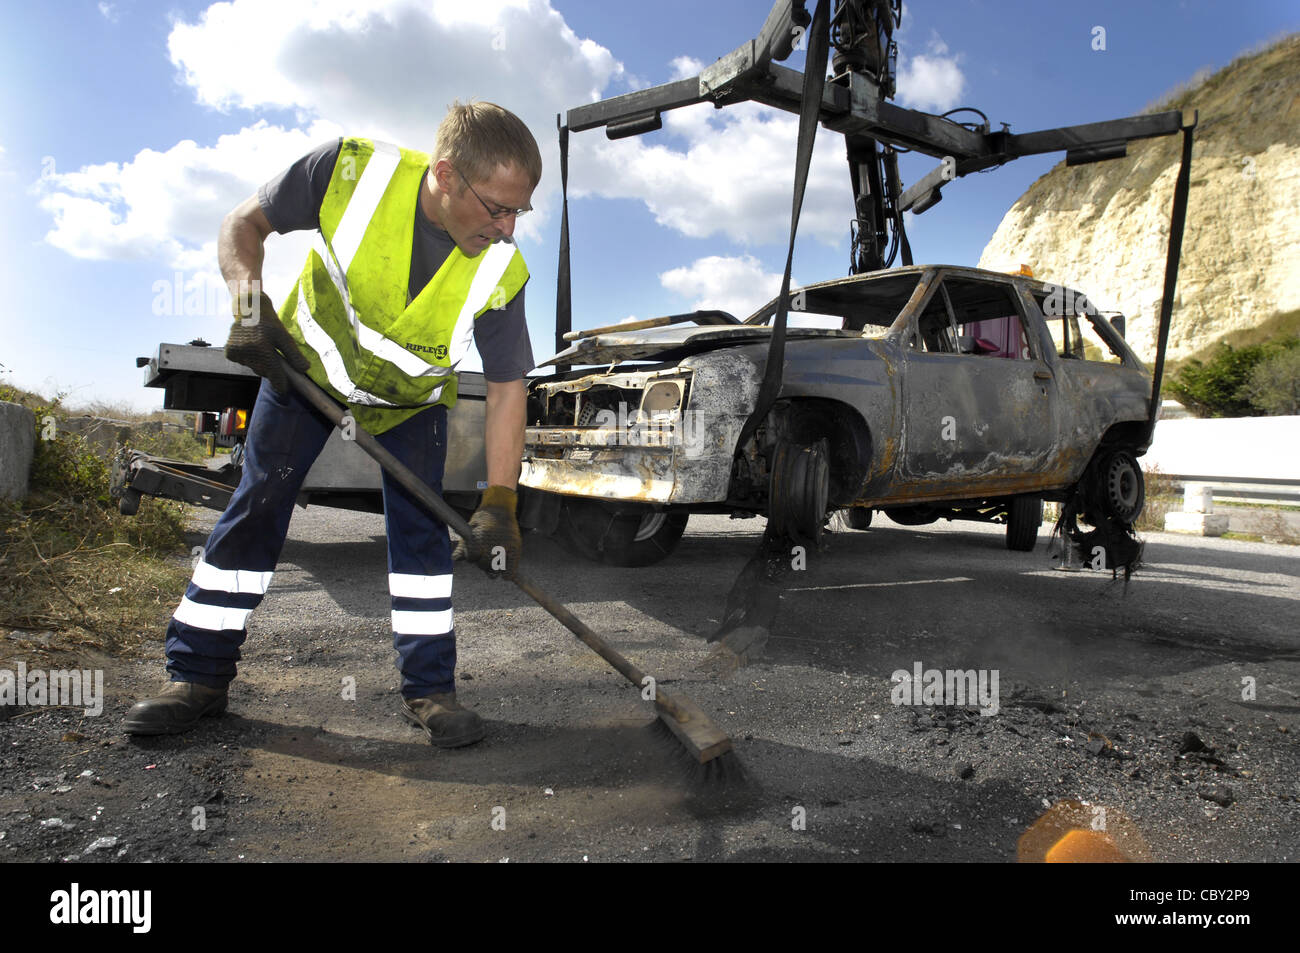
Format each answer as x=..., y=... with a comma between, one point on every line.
x=285, y=436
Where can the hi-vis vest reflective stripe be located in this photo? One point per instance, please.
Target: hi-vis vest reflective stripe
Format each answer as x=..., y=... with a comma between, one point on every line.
x=385, y=357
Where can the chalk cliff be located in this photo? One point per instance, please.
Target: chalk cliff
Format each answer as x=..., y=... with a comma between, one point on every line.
x=1103, y=228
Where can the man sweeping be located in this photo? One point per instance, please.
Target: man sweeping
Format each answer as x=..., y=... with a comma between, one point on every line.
x=416, y=261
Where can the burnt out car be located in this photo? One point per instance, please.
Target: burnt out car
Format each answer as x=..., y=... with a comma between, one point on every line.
x=926, y=391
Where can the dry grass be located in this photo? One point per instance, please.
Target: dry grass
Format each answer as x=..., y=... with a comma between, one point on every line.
x=99, y=578
x=70, y=564
x=1161, y=498
x=1274, y=528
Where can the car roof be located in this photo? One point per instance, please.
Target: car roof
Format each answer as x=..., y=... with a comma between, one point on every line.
x=1034, y=285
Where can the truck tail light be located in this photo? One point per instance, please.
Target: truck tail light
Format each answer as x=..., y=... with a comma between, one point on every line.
x=234, y=422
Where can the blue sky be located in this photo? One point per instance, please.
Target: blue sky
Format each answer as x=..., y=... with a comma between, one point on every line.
x=128, y=129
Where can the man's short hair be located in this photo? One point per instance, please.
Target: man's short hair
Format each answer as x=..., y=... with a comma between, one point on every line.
x=476, y=137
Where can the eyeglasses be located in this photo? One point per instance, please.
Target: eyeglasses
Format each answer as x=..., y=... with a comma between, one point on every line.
x=499, y=213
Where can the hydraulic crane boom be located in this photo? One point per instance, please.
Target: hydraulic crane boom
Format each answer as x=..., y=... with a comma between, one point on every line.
x=856, y=101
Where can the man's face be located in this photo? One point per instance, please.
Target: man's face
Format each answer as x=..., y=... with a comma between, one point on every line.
x=466, y=216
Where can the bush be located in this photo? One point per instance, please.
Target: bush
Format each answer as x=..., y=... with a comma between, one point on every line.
x=1274, y=383
x=1211, y=388
x=170, y=443
x=66, y=466
x=1222, y=386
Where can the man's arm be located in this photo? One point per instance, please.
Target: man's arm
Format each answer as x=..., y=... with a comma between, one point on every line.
x=504, y=432
x=293, y=197
x=257, y=338
x=241, y=246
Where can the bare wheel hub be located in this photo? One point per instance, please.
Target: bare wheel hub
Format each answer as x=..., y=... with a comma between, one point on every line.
x=799, y=489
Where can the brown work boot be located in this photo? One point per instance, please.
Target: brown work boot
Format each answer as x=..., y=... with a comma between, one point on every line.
x=447, y=724
x=176, y=709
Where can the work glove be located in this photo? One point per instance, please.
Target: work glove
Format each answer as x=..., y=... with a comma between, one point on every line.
x=257, y=339
x=493, y=525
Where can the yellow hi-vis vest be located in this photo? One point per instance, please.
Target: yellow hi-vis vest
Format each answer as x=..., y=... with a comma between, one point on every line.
x=388, y=359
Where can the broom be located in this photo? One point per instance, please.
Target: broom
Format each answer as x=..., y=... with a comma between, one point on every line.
x=705, y=742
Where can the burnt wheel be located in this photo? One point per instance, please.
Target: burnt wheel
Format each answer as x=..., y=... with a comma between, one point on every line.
x=1024, y=516
x=619, y=535
x=1120, y=489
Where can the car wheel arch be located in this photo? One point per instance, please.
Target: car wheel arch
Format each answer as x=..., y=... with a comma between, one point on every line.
x=806, y=420
x=1130, y=435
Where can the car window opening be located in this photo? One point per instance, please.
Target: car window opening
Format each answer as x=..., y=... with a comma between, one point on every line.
x=1078, y=340
x=973, y=318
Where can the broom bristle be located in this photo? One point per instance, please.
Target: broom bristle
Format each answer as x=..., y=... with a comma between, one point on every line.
x=723, y=770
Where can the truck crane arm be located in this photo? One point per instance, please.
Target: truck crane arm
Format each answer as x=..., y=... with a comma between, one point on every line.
x=855, y=102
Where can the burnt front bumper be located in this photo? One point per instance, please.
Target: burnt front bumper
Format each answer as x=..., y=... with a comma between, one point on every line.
x=658, y=436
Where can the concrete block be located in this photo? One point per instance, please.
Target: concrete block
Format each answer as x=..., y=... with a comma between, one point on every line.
x=1198, y=498
x=1197, y=524
x=17, y=446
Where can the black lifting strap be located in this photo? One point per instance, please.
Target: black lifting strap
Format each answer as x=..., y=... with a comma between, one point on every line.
x=1177, y=219
x=814, y=80
x=563, y=293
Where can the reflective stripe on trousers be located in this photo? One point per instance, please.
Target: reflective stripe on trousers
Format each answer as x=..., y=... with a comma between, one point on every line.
x=285, y=436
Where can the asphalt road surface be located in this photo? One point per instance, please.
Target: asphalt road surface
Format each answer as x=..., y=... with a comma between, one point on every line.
x=1166, y=715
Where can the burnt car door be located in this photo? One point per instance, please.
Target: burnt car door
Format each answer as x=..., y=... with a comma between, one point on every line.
x=1102, y=382
x=979, y=400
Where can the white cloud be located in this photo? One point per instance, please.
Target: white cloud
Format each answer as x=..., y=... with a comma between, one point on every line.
x=684, y=67
x=733, y=176
x=716, y=172
x=166, y=207
x=338, y=59
x=159, y=204
x=735, y=284
x=333, y=62
x=108, y=11
x=931, y=81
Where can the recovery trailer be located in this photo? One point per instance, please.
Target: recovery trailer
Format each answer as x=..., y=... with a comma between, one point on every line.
x=197, y=377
